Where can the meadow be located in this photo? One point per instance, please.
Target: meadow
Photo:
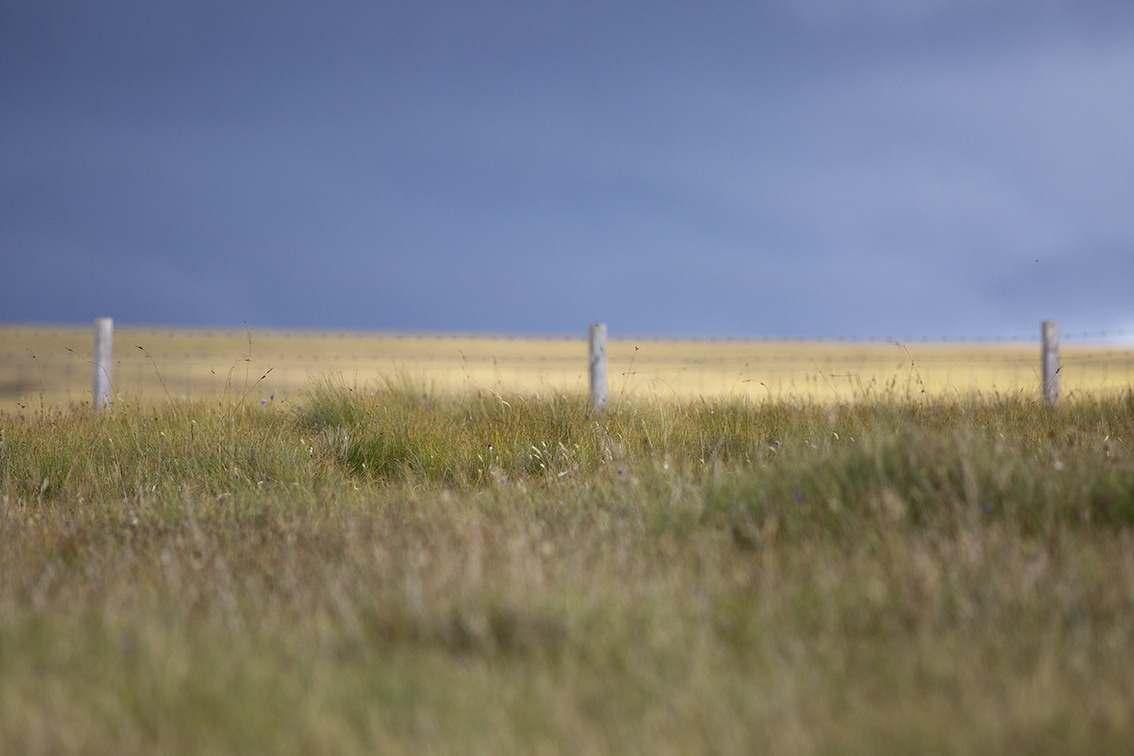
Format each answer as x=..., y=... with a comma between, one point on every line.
x=50, y=366
x=395, y=565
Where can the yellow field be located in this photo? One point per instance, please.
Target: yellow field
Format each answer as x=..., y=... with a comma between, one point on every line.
x=50, y=366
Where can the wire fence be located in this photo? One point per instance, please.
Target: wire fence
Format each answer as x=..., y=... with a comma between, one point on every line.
x=53, y=366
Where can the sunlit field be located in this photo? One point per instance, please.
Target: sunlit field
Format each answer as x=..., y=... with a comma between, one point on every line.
x=51, y=366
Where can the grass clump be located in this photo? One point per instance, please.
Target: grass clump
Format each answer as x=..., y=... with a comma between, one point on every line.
x=400, y=570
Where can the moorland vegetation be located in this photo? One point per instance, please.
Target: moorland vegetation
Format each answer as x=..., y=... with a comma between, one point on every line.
x=389, y=569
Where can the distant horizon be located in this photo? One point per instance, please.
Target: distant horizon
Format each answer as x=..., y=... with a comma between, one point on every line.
x=1112, y=337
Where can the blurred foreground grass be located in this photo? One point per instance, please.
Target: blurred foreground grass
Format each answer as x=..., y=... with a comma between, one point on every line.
x=393, y=570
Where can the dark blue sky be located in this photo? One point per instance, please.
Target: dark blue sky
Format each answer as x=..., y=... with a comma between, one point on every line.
x=816, y=168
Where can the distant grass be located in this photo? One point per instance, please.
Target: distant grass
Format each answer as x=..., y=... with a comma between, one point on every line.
x=50, y=367
x=396, y=569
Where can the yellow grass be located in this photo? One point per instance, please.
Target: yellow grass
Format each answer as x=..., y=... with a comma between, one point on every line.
x=50, y=366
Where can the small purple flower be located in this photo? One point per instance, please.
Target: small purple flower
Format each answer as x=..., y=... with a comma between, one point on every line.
x=263, y=402
x=798, y=496
x=776, y=443
x=621, y=471
x=986, y=507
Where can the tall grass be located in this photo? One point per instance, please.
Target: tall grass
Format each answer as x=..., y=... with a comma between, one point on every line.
x=396, y=569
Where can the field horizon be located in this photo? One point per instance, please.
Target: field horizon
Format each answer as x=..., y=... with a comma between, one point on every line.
x=49, y=366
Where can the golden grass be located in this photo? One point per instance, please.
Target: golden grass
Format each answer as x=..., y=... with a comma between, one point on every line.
x=50, y=366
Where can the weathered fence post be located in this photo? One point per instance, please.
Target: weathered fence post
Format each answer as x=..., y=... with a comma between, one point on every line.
x=103, y=355
x=1050, y=333
x=597, y=340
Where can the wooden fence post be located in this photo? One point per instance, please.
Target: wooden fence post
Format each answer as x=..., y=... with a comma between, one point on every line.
x=597, y=340
x=103, y=356
x=1049, y=331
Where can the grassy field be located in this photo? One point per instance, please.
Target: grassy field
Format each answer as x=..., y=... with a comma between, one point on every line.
x=388, y=567
x=50, y=366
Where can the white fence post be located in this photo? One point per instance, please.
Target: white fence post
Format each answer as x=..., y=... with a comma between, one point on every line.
x=103, y=356
x=1050, y=334
x=597, y=340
